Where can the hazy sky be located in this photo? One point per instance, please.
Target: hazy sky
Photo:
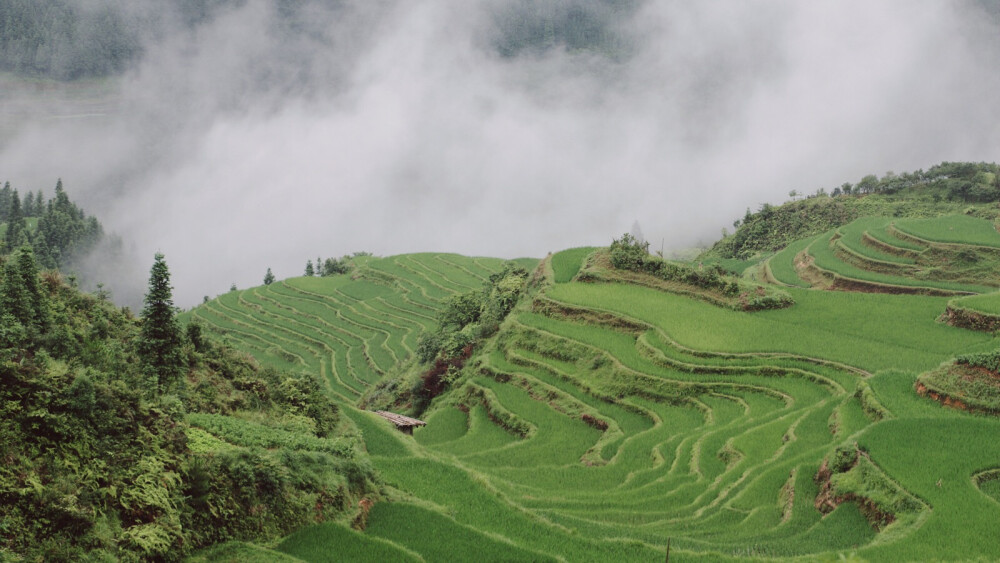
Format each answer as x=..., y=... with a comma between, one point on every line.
x=394, y=126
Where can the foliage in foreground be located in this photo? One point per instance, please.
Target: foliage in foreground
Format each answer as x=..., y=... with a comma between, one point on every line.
x=98, y=462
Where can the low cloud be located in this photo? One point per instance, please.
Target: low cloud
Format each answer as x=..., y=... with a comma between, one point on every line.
x=252, y=141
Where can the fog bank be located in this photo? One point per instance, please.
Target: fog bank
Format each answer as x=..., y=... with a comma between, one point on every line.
x=258, y=140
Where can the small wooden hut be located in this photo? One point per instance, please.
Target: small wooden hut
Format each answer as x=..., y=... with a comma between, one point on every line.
x=405, y=424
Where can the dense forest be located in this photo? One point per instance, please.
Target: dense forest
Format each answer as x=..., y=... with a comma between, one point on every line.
x=531, y=26
x=58, y=231
x=74, y=39
x=66, y=40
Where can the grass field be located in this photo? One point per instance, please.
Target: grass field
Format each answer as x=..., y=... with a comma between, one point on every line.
x=689, y=423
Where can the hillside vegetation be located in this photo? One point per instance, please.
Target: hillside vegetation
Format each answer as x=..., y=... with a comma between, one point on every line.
x=603, y=419
x=108, y=456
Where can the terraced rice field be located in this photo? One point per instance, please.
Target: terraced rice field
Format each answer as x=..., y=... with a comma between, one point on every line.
x=825, y=256
x=853, y=239
x=960, y=229
x=876, y=254
x=632, y=418
x=567, y=263
x=782, y=264
x=350, y=331
x=988, y=303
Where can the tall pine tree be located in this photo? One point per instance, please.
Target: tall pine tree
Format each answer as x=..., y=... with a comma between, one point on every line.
x=5, y=195
x=27, y=269
x=17, y=230
x=14, y=299
x=160, y=340
x=22, y=300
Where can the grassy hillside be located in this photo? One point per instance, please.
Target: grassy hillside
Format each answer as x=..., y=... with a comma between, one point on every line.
x=948, y=188
x=605, y=419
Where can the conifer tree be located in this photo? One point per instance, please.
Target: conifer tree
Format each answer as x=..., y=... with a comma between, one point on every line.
x=21, y=294
x=268, y=277
x=62, y=202
x=28, y=204
x=16, y=234
x=27, y=270
x=14, y=301
x=5, y=195
x=309, y=268
x=160, y=339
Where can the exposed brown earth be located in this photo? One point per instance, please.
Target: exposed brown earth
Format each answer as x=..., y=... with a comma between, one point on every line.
x=972, y=320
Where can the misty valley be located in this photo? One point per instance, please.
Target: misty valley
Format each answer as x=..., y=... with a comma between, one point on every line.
x=515, y=280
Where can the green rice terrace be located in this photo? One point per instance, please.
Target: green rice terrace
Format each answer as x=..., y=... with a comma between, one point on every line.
x=948, y=255
x=612, y=415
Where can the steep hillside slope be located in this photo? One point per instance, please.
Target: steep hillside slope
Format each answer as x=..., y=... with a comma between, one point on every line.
x=106, y=455
x=605, y=420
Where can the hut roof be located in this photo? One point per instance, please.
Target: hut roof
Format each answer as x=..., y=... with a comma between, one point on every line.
x=400, y=420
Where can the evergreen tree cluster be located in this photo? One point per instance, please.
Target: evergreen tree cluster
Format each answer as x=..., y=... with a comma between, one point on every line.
x=532, y=26
x=24, y=314
x=73, y=39
x=66, y=39
x=969, y=182
x=99, y=461
x=332, y=266
x=62, y=232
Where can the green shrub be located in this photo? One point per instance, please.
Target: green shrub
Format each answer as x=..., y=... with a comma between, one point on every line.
x=844, y=458
x=986, y=360
x=628, y=253
x=428, y=346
